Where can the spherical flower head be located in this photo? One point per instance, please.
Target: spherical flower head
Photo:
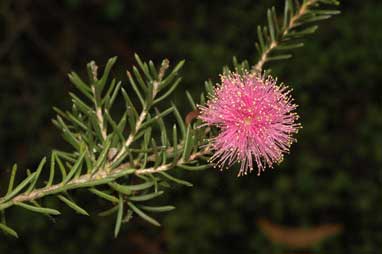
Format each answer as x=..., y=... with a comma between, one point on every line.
x=256, y=120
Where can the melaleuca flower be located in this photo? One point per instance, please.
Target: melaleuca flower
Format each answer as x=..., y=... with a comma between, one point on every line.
x=255, y=118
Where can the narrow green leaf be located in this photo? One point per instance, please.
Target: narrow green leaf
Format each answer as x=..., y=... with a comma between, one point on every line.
x=153, y=70
x=60, y=166
x=289, y=46
x=131, y=111
x=325, y=12
x=279, y=57
x=142, y=214
x=114, y=95
x=140, y=80
x=272, y=31
x=286, y=14
x=75, y=168
x=117, y=131
x=156, y=117
x=12, y=178
x=8, y=230
x=180, y=121
x=101, y=83
x=168, y=80
x=209, y=87
x=261, y=38
x=194, y=168
x=191, y=100
x=179, y=66
x=143, y=67
x=38, y=209
x=135, y=87
x=169, y=91
x=307, y=31
x=175, y=144
x=18, y=188
x=73, y=205
x=188, y=145
x=80, y=85
x=80, y=104
x=103, y=155
x=146, y=197
x=275, y=21
x=139, y=187
x=108, y=211
x=107, y=95
x=118, y=221
x=38, y=172
x=120, y=188
x=157, y=209
x=177, y=180
x=104, y=195
x=67, y=156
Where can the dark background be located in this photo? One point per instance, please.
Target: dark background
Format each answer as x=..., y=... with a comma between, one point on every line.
x=333, y=174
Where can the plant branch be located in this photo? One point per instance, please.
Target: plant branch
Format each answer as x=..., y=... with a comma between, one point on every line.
x=102, y=176
x=265, y=55
x=98, y=108
x=144, y=112
x=168, y=166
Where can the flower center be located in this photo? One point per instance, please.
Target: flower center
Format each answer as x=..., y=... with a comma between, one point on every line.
x=248, y=120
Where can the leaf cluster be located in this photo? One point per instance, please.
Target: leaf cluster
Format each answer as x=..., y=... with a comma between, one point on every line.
x=119, y=160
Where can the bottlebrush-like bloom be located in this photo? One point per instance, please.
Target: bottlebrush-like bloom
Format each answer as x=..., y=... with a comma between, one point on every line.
x=256, y=121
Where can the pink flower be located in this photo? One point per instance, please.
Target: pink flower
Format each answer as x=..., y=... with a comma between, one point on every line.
x=256, y=121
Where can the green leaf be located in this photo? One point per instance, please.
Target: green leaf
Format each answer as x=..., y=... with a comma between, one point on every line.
x=73, y=205
x=101, y=83
x=180, y=121
x=139, y=78
x=42, y=210
x=12, y=178
x=60, y=165
x=18, y=188
x=107, y=95
x=80, y=85
x=80, y=104
x=156, y=117
x=175, y=144
x=104, y=195
x=289, y=46
x=146, y=197
x=177, y=180
x=153, y=70
x=52, y=169
x=191, y=100
x=261, y=38
x=120, y=188
x=113, y=96
x=139, y=187
x=38, y=172
x=103, y=155
x=194, y=168
x=271, y=25
x=118, y=221
x=188, y=145
x=143, y=215
x=135, y=87
x=75, y=168
x=169, y=91
x=8, y=230
x=143, y=67
x=108, y=211
x=279, y=57
x=157, y=209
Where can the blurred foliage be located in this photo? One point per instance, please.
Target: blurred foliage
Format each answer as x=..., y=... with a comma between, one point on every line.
x=333, y=174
